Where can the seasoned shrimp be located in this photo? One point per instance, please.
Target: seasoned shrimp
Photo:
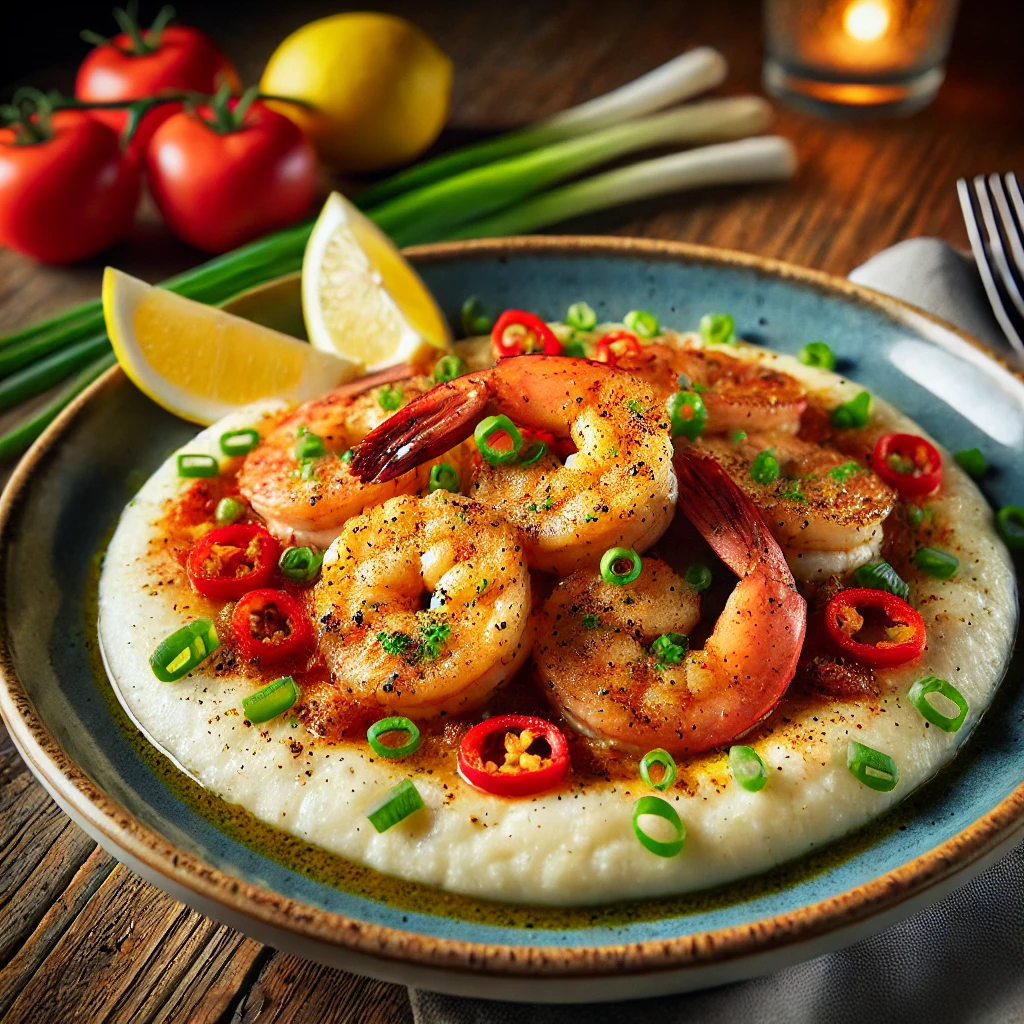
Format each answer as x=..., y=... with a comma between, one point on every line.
x=379, y=640
x=738, y=394
x=825, y=509
x=310, y=502
x=617, y=489
x=594, y=655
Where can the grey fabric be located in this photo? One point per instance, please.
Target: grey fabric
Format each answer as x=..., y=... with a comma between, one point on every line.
x=961, y=960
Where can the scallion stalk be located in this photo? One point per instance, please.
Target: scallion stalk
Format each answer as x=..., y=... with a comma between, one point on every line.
x=34, y=380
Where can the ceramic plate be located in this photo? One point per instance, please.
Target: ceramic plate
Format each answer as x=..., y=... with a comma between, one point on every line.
x=66, y=496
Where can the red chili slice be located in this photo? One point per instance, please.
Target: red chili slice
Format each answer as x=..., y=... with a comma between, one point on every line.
x=228, y=562
x=628, y=344
x=271, y=626
x=908, y=463
x=486, y=741
x=900, y=642
x=517, y=332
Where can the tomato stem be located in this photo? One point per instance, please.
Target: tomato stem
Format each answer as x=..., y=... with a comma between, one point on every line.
x=127, y=18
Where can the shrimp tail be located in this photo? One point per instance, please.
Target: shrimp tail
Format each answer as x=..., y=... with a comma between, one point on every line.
x=427, y=427
x=363, y=384
x=727, y=518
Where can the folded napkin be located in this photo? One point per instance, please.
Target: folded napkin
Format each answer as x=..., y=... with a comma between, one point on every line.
x=960, y=960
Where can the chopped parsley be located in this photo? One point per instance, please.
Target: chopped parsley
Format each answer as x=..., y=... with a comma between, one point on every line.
x=795, y=492
x=845, y=471
x=395, y=643
x=591, y=518
x=591, y=621
x=434, y=637
x=547, y=504
x=635, y=407
x=669, y=649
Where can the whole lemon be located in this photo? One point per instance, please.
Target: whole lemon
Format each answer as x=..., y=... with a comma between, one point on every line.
x=379, y=87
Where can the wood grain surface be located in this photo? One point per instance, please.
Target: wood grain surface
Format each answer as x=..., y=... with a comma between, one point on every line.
x=81, y=937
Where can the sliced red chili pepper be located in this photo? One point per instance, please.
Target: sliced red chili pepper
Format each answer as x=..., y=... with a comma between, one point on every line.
x=517, y=333
x=900, y=639
x=908, y=463
x=228, y=562
x=271, y=626
x=627, y=342
x=490, y=757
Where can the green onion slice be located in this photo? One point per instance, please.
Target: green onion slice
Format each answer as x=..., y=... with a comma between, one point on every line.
x=940, y=564
x=183, y=650
x=575, y=349
x=875, y=769
x=239, y=442
x=397, y=723
x=642, y=323
x=670, y=649
x=300, y=565
x=609, y=566
x=932, y=684
x=448, y=368
x=274, y=699
x=765, y=467
x=687, y=414
x=718, y=328
x=581, y=317
x=490, y=426
x=817, y=353
x=399, y=802
x=747, y=768
x=668, y=769
x=228, y=511
x=973, y=461
x=348, y=455
x=1010, y=525
x=661, y=809
x=738, y=435
x=443, y=478
x=389, y=398
x=881, y=576
x=537, y=450
x=475, y=319
x=194, y=465
x=308, y=445
x=698, y=576
x=855, y=413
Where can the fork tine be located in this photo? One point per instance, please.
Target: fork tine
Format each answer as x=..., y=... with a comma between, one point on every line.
x=1010, y=234
x=996, y=247
x=984, y=270
x=1010, y=191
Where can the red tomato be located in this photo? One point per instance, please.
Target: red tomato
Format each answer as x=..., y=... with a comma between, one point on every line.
x=180, y=58
x=219, y=190
x=69, y=196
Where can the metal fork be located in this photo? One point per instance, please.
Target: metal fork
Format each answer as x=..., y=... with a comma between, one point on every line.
x=993, y=211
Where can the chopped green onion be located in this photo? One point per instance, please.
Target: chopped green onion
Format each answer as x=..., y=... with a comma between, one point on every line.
x=308, y=445
x=917, y=515
x=490, y=426
x=581, y=317
x=239, y=442
x=197, y=465
x=185, y=648
x=389, y=398
x=642, y=323
x=940, y=564
x=718, y=328
x=765, y=468
x=932, y=684
x=662, y=809
x=1010, y=525
x=475, y=318
x=575, y=349
x=448, y=368
x=747, y=768
x=817, y=353
x=668, y=769
x=687, y=414
x=274, y=699
x=855, y=413
x=698, y=576
x=738, y=435
x=443, y=478
x=881, y=576
x=845, y=471
x=871, y=767
x=348, y=455
x=399, y=802
x=610, y=560
x=536, y=452
x=482, y=585
x=397, y=723
x=591, y=621
x=973, y=461
x=228, y=511
x=300, y=565
x=669, y=649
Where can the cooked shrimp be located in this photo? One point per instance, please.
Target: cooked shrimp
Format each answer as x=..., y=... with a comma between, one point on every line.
x=825, y=509
x=608, y=682
x=617, y=489
x=739, y=394
x=312, y=507
x=423, y=604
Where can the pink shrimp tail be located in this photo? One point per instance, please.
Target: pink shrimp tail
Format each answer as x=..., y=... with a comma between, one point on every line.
x=427, y=427
x=727, y=518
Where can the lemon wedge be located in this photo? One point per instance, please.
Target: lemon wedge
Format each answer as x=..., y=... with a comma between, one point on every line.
x=360, y=298
x=202, y=363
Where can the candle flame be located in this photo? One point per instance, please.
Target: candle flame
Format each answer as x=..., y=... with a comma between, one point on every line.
x=866, y=20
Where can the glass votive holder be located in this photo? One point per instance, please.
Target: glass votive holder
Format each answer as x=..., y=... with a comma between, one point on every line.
x=857, y=56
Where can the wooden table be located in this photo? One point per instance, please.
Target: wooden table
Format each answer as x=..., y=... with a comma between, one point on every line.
x=82, y=938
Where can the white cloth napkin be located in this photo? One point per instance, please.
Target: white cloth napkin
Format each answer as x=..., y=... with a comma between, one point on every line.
x=962, y=959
